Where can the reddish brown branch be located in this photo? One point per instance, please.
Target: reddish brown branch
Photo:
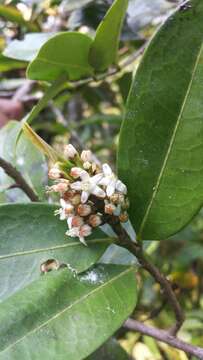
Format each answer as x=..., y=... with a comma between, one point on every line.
x=165, y=337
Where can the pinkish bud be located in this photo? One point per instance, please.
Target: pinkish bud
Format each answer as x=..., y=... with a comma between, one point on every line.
x=77, y=221
x=61, y=187
x=54, y=173
x=85, y=230
x=84, y=210
x=70, y=151
x=95, y=220
x=75, y=172
x=86, y=156
x=109, y=209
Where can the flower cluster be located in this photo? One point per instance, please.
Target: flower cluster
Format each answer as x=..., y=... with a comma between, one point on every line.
x=89, y=193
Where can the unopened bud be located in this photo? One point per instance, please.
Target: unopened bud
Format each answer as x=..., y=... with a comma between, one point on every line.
x=85, y=230
x=54, y=173
x=87, y=165
x=86, y=156
x=70, y=151
x=77, y=221
x=123, y=217
x=68, y=209
x=95, y=220
x=84, y=210
x=109, y=209
x=61, y=187
x=75, y=172
x=76, y=199
x=117, y=198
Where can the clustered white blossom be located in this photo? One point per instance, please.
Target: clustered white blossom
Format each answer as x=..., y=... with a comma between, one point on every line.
x=82, y=185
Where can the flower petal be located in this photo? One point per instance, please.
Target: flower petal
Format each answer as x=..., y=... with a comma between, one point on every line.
x=105, y=181
x=84, y=197
x=76, y=185
x=107, y=170
x=97, y=191
x=96, y=178
x=63, y=203
x=110, y=190
x=82, y=240
x=121, y=187
x=84, y=175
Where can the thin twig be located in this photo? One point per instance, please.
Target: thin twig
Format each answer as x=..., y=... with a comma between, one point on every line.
x=11, y=171
x=165, y=337
x=136, y=249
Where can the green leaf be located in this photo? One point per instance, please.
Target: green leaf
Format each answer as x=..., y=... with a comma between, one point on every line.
x=111, y=350
x=161, y=149
x=27, y=159
x=11, y=13
x=104, y=49
x=7, y=64
x=65, y=53
x=27, y=48
x=30, y=234
x=64, y=316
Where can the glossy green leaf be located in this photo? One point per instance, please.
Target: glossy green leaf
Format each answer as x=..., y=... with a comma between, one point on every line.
x=26, y=158
x=161, y=148
x=65, y=53
x=27, y=48
x=104, y=49
x=111, y=350
x=11, y=13
x=64, y=316
x=30, y=234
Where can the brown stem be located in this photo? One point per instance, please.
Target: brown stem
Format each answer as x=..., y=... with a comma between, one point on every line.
x=11, y=171
x=165, y=337
x=136, y=249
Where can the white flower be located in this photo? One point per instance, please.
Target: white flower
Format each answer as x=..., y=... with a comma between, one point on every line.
x=81, y=233
x=111, y=181
x=88, y=186
x=70, y=151
x=65, y=211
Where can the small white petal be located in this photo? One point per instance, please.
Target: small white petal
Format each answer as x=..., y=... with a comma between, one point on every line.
x=82, y=240
x=69, y=222
x=111, y=188
x=84, y=197
x=107, y=170
x=84, y=175
x=105, y=181
x=121, y=187
x=97, y=191
x=63, y=203
x=97, y=178
x=76, y=185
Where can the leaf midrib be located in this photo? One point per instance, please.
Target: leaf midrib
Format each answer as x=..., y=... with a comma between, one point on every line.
x=169, y=151
x=69, y=307
x=58, y=247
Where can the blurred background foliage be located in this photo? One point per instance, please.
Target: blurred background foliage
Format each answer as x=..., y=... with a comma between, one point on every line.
x=89, y=115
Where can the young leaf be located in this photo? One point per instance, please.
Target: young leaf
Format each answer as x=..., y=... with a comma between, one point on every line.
x=161, y=148
x=104, y=49
x=11, y=13
x=30, y=235
x=64, y=316
x=65, y=53
x=36, y=140
x=27, y=48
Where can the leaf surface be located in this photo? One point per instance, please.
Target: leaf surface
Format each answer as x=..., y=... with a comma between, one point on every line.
x=65, y=53
x=161, y=144
x=30, y=235
x=104, y=49
x=65, y=316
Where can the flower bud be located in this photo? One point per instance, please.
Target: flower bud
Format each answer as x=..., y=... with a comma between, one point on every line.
x=54, y=173
x=85, y=230
x=95, y=220
x=76, y=199
x=61, y=187
x=75, y=172
x=70, y=151
x=117, y=198
x=77, y=221
x=109, y=209
x=87, y=165
x=68, y=209
x=123, y=217
x=84, y=210
x=86, y=156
